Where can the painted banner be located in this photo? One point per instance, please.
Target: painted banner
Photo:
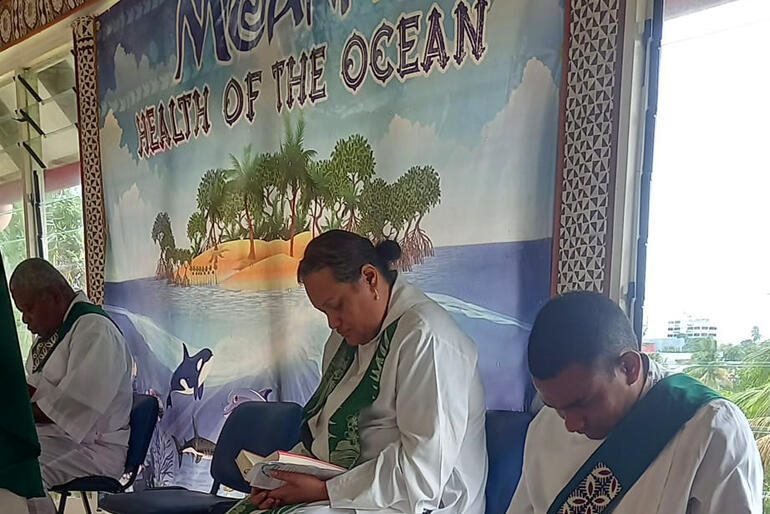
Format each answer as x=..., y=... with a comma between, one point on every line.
x=235, y=131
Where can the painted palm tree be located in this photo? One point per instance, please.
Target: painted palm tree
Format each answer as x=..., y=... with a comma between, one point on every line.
x=163, y=236
x=245, y=180
x=271, y=198
x=196, y=231
x=269, y=172
x=337, y=197
x=294, y=161
x=316, y=192
x=212, y=194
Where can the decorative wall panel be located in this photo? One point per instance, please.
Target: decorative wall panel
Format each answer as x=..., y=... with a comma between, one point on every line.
x=20, y=18
x=588, y=145
x=91, y=168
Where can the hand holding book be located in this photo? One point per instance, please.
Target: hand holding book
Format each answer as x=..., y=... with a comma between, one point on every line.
x=283, y=478
x=298, y=489
x=258, y=470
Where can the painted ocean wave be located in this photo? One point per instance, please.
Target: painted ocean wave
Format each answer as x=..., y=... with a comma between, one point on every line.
x=471, y=310
x=237, y=353
x=166, y=346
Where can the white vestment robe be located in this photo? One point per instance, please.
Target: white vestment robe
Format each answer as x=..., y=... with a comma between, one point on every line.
x=711, y=466
x=423, y=445
x=85, y=389
x=12, y=503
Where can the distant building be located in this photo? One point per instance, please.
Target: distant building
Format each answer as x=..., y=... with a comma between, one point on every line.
x=691, y=328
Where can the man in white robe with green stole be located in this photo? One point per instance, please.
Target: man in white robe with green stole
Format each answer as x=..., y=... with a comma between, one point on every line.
x=79, y=374
x=400, y=403
x=618, y=435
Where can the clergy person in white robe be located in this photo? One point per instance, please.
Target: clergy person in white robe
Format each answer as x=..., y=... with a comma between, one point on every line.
x=79, y=375
x=400, y=402
x=617, y=433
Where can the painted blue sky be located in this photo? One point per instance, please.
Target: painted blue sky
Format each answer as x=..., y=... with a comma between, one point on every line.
x=489, y=129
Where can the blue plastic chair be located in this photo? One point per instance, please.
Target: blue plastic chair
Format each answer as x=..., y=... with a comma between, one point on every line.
x=506, y=432
x=259, y=427
x=144, y=416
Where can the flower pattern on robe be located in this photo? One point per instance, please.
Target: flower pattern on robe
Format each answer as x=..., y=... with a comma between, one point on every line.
x=40, y=351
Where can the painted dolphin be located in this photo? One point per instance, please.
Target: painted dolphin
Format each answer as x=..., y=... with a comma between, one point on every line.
x=198, y=447
x=190, y=374
x=244, y=395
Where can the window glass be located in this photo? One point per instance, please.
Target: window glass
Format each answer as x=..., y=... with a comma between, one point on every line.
x=711, y=182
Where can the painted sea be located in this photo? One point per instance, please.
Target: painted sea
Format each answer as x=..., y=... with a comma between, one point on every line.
x=268, y=345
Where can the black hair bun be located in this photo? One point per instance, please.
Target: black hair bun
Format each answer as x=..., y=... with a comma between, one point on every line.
x=389, y=251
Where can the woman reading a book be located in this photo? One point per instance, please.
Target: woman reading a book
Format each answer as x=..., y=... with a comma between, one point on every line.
x=400, y=405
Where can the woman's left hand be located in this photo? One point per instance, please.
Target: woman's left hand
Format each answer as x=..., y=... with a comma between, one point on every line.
x=298, y=488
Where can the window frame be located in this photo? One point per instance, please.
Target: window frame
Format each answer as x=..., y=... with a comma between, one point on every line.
x=33, y=167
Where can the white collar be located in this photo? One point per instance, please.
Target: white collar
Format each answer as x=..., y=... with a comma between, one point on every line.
x=655, y=373
x=403, y=296
x=80, y=297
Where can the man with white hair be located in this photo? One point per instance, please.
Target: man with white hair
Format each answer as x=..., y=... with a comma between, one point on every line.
x=79, y=375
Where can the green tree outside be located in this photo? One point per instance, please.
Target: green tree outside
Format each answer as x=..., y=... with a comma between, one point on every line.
x=741, y=373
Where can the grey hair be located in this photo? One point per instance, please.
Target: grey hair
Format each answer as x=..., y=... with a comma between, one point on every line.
x=37, y=276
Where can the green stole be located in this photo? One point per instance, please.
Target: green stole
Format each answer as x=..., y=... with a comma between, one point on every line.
x=344, y=438
x=19, y=447
x=43, y=348
x=632, y=446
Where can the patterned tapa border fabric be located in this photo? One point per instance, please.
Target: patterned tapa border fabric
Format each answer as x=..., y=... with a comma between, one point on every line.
x=20, y=18
x=90, y=156
x=588, y=127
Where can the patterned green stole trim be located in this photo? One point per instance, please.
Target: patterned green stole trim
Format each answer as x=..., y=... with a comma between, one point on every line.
x=634, y=444
x=43, y=348
x=344, y=438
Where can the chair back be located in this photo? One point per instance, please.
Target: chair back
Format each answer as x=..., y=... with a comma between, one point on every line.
x=144, y=417
x=259, y=427
x=506, y=432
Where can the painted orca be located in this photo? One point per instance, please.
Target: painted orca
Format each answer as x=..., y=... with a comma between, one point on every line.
x=198, y=447
x=189, y=376
x=244, y=395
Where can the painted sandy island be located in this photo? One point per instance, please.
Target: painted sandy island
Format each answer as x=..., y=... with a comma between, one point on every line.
x=230, y=265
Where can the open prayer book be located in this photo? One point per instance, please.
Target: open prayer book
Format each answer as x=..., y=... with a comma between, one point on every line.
x=256, y=469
